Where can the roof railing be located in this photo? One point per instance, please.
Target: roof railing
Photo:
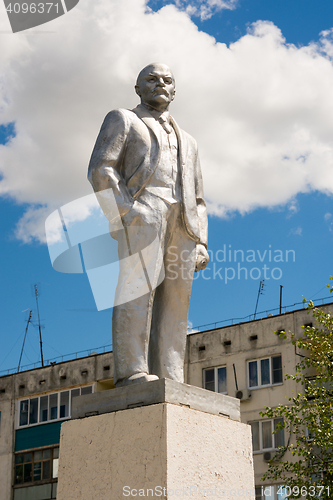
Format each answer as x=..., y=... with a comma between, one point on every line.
x=192, y=329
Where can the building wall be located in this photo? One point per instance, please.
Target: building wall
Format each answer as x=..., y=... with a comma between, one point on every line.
x=94, y=369
x=64, y=375
x=6, y=436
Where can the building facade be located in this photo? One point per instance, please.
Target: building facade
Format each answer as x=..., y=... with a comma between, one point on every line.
x=247, y=360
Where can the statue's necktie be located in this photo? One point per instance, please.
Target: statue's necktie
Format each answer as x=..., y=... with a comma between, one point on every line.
x=165, y=124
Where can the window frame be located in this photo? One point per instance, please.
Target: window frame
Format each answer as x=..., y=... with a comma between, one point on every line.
x=261, y=439
x=54, y=461
x=28, y=399
x=259, y=376
x=216, y=385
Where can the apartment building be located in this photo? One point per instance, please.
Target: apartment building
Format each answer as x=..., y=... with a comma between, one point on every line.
x=247, y=360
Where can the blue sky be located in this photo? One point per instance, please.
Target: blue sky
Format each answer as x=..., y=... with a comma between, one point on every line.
x=258, y=203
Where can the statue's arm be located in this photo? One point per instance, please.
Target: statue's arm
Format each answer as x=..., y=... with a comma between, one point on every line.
x=202, y=257
x=106, y=161
x=201, y=205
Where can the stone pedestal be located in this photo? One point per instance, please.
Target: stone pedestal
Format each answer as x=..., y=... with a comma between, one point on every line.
x=161, y=449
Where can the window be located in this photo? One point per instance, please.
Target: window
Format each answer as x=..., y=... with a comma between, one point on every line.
x=215, y=379
x=50, y=407
x=265, y=372
x=276, y=492
x=310, y=433
x=55, y=464
x=263, y=437
x=43, y=409
x=33, y=411
x=24, y=408
x=53, y=406
x=64, y=404
x=36, y=465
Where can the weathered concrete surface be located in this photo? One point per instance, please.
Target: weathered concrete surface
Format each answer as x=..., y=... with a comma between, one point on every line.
x=156, y=447
x=207, y=452
x=157, y=391
x=6, y=441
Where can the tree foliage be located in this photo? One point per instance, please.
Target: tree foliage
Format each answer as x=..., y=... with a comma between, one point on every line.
x=307, y=459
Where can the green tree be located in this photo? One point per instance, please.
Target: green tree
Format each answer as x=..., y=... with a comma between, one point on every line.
x=307, y=459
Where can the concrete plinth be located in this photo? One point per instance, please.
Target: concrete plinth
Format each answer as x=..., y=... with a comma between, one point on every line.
x=162, y=450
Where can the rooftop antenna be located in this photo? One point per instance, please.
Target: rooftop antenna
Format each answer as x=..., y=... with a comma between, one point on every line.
x=281, y=298
x=260, y=290
x=39, y=327
x=25, y=334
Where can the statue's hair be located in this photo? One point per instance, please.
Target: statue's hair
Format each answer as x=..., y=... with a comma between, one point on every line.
x=144, y=71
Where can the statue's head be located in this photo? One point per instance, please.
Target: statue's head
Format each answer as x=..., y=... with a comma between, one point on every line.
x=156, y=86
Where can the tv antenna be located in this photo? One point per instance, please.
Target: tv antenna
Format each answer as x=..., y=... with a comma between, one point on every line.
x=39, y=327
x=25, y=335
x=281, y=286
x=260, y=290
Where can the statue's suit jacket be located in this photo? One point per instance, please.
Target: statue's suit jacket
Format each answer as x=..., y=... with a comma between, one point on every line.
x=126, y=155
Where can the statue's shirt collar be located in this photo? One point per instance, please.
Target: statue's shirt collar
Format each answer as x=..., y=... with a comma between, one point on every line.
x=158, y=115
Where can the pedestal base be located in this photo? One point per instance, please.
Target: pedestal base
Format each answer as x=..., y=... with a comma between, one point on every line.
x=162, y=451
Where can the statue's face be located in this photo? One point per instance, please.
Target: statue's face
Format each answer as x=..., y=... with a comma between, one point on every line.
x=156, y=86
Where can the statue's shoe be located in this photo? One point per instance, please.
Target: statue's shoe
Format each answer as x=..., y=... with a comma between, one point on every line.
x=136, y=378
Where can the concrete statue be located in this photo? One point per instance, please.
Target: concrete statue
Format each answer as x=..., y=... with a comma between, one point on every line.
x=152, y=168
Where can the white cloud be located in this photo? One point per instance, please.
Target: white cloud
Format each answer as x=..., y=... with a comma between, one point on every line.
x=31, y=226
x=297, y=231
x=190, y=328
x=205, y=9
x=327, y=218
x=293, y=207
x=261, y=110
